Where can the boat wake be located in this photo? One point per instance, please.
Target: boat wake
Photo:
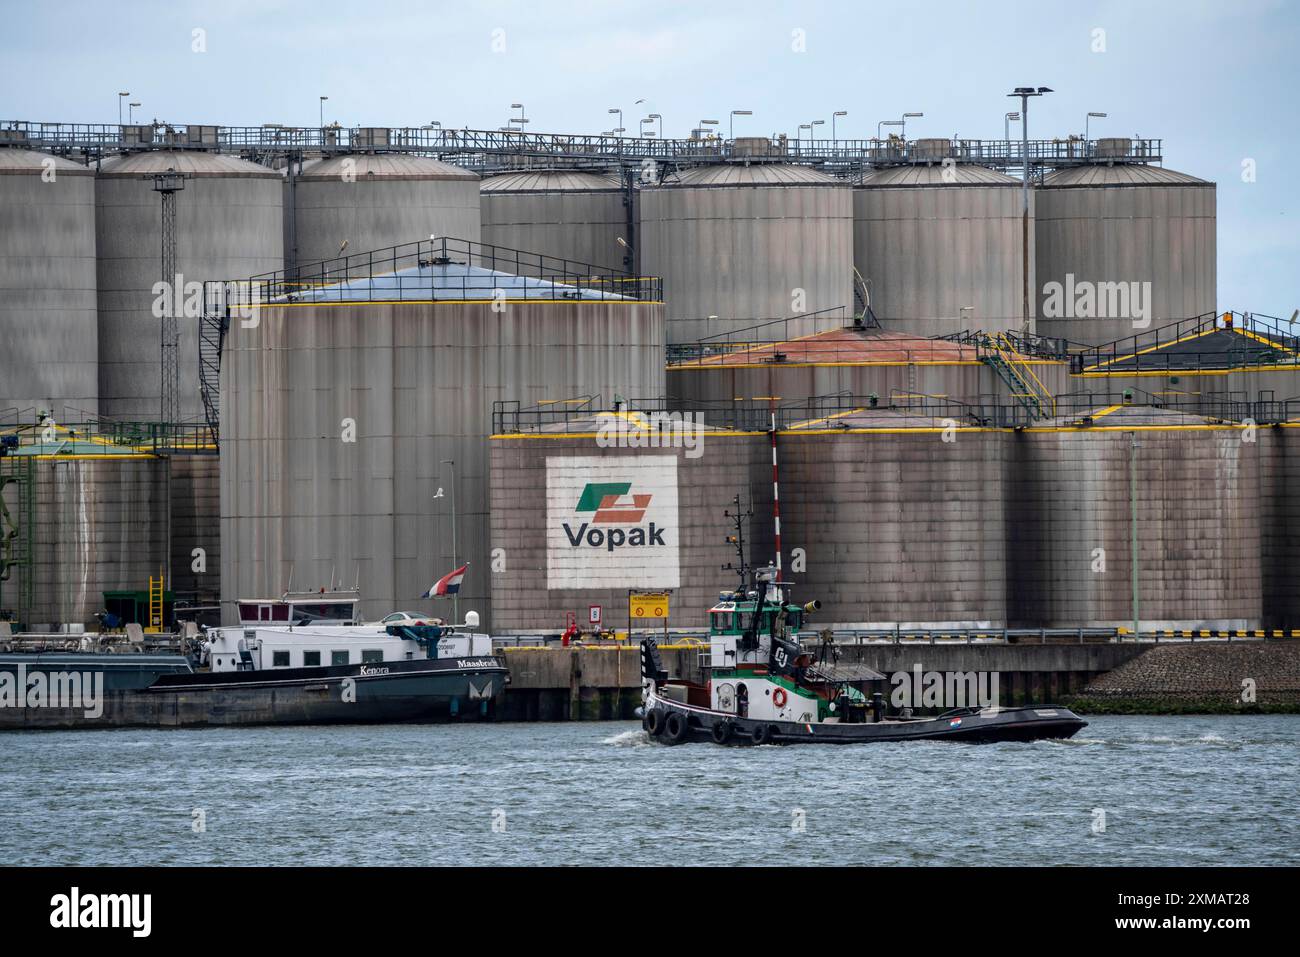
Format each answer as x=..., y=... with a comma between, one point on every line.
x=635, y=738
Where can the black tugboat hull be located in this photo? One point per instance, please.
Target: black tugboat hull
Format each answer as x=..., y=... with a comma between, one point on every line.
x=970, y=727
x=414, y=691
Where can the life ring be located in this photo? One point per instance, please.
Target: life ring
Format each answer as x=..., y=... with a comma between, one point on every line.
x=779, y=697
x=654, y=721
x=721, y=732
x=762, y=734
x=675, y=726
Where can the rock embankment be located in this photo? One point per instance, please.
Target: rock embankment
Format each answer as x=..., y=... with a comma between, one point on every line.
x=1200, y=677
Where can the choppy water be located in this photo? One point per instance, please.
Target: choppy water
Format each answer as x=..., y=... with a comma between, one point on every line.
x=1175, y=790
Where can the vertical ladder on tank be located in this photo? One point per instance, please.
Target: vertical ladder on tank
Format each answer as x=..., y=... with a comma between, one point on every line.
x=213, y=327
x=155, y=603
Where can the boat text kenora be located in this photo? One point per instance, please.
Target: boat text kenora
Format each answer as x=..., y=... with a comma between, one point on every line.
x=298, y=659
x=761, y=686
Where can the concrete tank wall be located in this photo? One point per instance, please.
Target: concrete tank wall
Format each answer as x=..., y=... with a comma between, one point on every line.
x=736, y=242
x=47, y=286
x=1198, y=526
x=565, y=214
x=418, y=381
x=100, y=525
x=195, y=524
x=523, y=596
x=897, y=528
x=1125, y=224
x=371, y=202
x=930, y=240
x=228, y=226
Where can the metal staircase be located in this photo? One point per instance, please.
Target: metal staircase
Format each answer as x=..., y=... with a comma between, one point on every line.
x=999, y=353
x=212, y=339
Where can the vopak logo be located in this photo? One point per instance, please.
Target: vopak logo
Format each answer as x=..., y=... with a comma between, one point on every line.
x=608, y=505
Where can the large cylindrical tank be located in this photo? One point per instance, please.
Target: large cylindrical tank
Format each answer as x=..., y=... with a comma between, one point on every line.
x=354, y=204
x=1070, y=511
x=1122, y=249
x=941, y=248
x=750, y=243
x=101, y=525
x=341, y=421
x=561, y=559
x=228, y=226
x=47, y=286
x=567, y=214
x=895, y=524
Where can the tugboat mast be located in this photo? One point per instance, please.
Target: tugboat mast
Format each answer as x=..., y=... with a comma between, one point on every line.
x=738, y=540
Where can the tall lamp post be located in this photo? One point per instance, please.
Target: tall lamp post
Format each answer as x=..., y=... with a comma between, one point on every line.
x=660, y=120
x=322, y=111
x=618, y=129
x=120, y=98
x=455, y=598
x=833, y=115
x=731, y=128
x=130, y=112
x=884, y=123
x=812, y=128
x=1086, y=120
x=906, y=116
x=1007, y=120
x=1025, y=92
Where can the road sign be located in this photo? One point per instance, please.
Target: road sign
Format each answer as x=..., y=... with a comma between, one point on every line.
x=652, y=605
x=593, y=614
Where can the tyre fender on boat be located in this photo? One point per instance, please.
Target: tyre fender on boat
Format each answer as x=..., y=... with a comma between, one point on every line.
x=675, y=726
x=762, y=733
x=654, y=721
x=779, y=697
x=721, y=731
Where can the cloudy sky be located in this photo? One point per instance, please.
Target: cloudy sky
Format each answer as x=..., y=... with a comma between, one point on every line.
x=1218, y=81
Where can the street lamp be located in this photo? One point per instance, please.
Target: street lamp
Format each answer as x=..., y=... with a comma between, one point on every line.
x=521, y=120
x=619, y=111
x=130, y=112
x=1086, y=119
x=322, y=111
x=704, y=123
x=731, y=129
x=1025, y=92
x=805, y=126
x=812, y=133
x=120, y=98
x=656, y=116
x=906, y=116
x=643, y=123
x=886, y=123
x=833, y=115
x=1006, y=124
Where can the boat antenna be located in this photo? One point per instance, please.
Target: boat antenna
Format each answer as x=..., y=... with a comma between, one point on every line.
x=737, y=539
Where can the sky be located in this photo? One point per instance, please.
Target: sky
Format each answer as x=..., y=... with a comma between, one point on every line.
x=1217, y=81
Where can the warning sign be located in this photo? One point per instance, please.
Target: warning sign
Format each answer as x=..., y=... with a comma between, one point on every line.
x=652, y=605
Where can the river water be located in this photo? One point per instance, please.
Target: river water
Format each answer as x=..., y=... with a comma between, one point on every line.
x=1126, y=791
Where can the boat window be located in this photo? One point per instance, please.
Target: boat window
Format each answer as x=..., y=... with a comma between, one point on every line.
x=723, y=621
x=327, y=611
x=338, y=657
x=247, y=613
x=371, y=655
x=311, y=659
x=279, y=612
x=279, y=659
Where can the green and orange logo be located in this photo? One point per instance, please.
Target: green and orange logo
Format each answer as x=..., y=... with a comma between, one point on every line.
x=606, y=500
x=613, y=503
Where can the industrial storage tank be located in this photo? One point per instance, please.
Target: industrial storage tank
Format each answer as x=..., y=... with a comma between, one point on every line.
x=941, y=250
x=746, y=243
x=351, y=203
x=898, y=519
x=228, y=226
x=1070, y=500
x=1122, y=248
x=584, y=521
x=99, y=524
x=354, y=442
x=569, y=214
x=48, y=362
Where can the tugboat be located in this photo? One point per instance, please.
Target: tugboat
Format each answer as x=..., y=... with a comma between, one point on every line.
x=760, y=685
x=299, y=659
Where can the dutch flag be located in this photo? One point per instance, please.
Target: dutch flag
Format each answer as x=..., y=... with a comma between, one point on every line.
x=448, y=584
